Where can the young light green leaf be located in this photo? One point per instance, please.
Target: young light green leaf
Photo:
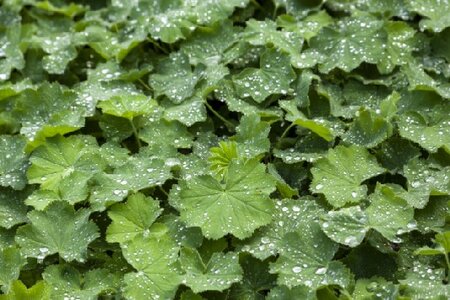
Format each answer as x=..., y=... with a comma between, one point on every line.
x=339, y=178
x=58, y=229
x=238, y=206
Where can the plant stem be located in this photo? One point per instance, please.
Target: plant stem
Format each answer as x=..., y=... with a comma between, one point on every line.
x=286, y=131
x=157, y=45
x=145, y=85
x=228, y=123
x=255, y=3
x=135, y=133
x=163, y=191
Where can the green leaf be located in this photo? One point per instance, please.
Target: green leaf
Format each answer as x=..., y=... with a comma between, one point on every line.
x=216, y=274
x=48, y=111
x=207, y=45
x=257, y=279
x=157, y=132
x=58, y=229
x=399, y=45
x=13, y=161
x=142, y=172
x=437, y=16
x=261, y=33
x=319, y=126
x=351, y=41
x=238, y=206
x=174, y=78
x=252, y=136
x=11, y=262
x=387, y=213
x=67, y=281
x=283, y=292
x=12, y=209
x=306, y=259
x=158, y=274
x=19, y=291
x=431, y=135
x=425, y=282
x=375, y=288
x=432, y=217
x=339, y=178
x=132, y=218
x=442, y=248
x=289, y=216
x=425, y=179
x=65, y=162
x=129, y=108
x=368, y=129
x=273, y=77
x=187, y=113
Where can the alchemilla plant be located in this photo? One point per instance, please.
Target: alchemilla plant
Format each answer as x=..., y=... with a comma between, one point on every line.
x=224, y=149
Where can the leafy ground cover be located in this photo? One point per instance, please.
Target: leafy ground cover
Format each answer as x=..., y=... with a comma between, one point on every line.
x=224, y=149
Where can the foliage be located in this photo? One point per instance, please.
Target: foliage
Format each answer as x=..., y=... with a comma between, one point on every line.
x=224, y=149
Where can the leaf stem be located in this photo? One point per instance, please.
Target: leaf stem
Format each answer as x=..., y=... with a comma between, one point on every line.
x=135, y=133
x=145, y=85
x=228, y=123
x=448, y=264
x=286, y=131
x=163, y=191
x=157, y=45
x=255, y=3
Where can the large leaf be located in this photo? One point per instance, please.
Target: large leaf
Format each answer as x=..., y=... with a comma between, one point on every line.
x=237, y=206
x=155, y=260
x=58, y=229
x=216, y=274
x=273, y=77
x=339, y=178
x=132, y=218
